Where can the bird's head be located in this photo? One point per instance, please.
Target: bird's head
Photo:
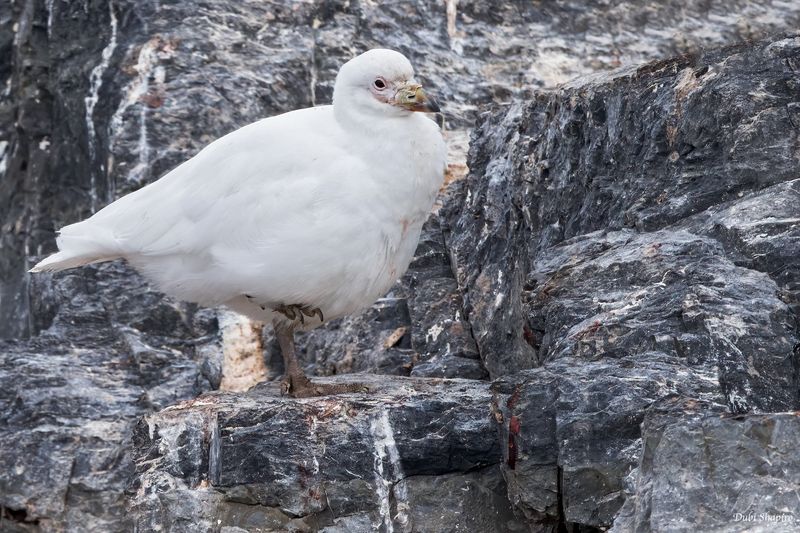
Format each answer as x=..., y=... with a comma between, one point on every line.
x=381, y=81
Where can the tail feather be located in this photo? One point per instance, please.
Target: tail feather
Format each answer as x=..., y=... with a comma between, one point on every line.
x=64, y=260
x=79, y=244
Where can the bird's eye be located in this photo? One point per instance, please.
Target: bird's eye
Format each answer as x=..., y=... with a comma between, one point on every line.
x=379, y=84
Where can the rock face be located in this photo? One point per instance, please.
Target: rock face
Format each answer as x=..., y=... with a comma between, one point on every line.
x=630, y=177
x=259, y=461
x=683, y=458
x=619, y=255
x=635, y=236
x=70, y=398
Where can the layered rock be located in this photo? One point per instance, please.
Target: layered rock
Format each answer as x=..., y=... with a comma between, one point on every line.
x=623, y=164
x=347, y=463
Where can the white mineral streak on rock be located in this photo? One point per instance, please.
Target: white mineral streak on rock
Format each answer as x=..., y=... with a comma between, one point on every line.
x=433, y=333
x=457, y=149
x=452, y=13
x=498, y=300
x=729, y=328
x=386, y=448
x=134, y=92
x=315, y=434
x=49, y=6
x=169, y=437
x=95, y=82
x=3, y=164
x=313, y=68
x=242, y=352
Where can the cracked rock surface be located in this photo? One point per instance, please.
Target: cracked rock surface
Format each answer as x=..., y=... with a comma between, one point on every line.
x=599, y=329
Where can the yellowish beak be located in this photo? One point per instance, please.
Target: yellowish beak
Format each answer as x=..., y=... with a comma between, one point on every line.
x=413, y=98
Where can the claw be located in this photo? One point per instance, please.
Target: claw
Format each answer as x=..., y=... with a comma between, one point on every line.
x=311, y=313
x=300, y=312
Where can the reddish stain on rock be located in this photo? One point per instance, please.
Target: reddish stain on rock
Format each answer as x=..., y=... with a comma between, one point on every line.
x=512, y=451
x=513, y=399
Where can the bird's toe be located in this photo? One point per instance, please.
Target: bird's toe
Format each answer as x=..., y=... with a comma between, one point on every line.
x=286, y=386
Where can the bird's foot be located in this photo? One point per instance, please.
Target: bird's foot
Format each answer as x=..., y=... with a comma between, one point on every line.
x=292, y=311
x=299, y=386
x=299, y=312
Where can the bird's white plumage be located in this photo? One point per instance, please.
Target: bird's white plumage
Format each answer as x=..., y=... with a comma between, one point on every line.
x=319, y=207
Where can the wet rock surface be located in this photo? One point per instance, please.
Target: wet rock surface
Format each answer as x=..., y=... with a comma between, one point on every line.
x=619, y=255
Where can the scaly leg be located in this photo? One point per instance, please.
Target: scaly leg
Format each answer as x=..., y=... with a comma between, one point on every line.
x=295, y=382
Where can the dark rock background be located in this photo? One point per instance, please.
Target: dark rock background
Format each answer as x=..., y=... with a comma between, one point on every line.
x=619, y=254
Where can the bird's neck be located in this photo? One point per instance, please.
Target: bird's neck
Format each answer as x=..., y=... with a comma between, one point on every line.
x=371, y=124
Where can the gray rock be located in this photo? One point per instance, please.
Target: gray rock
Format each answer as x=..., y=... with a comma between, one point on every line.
x=327, y=463
x=761, y=232
x=70, y=397
x=749, y=462
x=621, y=294
x=635, y=150
x=473, y=501
x=571, y=431
x=634, y=236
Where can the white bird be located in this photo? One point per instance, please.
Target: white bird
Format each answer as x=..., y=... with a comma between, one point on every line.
x=294, y=219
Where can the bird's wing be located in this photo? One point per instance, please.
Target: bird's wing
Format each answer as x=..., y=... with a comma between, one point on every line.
x=240, y=187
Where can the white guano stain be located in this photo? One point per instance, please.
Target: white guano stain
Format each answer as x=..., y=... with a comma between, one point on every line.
x=243, y=363
x=434, y=332
x=386, y=449
x=452, y=14
x=498, y=300
x=146, y=67
x=95, y=83
x=3, y=164
x=49, y=5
